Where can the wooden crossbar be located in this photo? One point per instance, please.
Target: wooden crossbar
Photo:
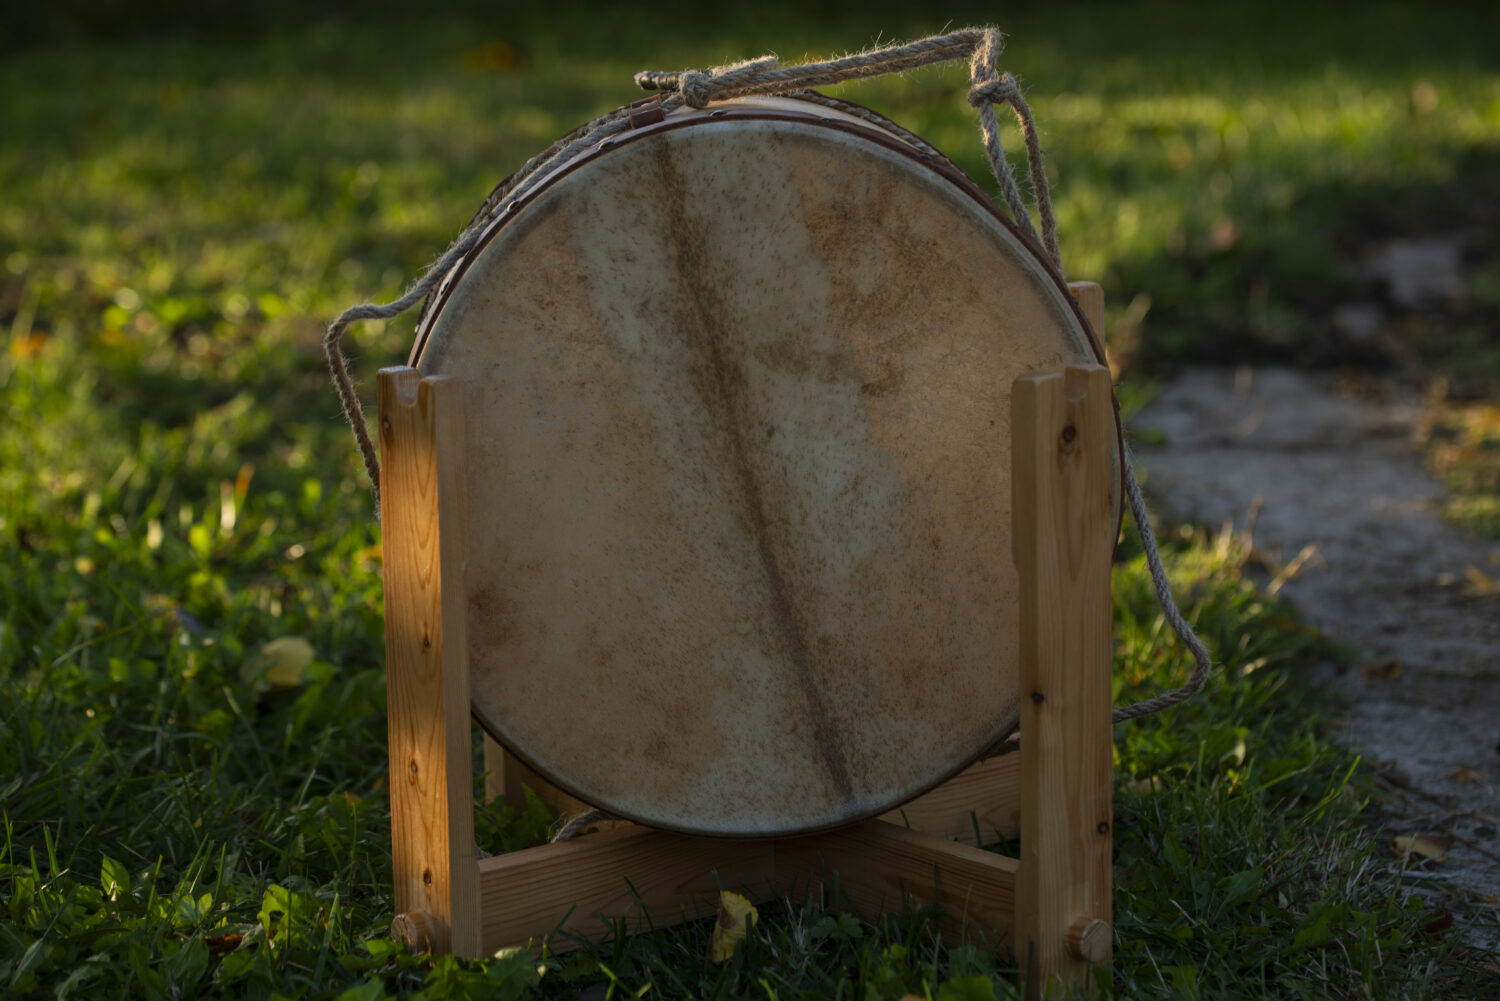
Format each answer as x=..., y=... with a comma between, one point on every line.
x=646, y=877
x=653, y=879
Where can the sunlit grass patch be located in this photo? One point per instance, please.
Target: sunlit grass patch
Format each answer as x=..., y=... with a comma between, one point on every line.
x=1463, y=447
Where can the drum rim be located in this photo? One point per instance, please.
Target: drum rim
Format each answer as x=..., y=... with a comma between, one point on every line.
x=727, y=112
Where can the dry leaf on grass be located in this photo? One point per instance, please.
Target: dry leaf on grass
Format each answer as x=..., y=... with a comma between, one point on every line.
x=1387, y=671
x=287, y=657
x=1481, y=584
x=1463, y=773
x=218, y=945
x=1439, y=924
x=29, y=346
x=1425, y=846
x=1147, y=786
x=736, y=915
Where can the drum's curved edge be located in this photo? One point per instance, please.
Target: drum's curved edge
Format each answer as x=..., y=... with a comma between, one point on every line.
x=946, y=169
x=678, y=828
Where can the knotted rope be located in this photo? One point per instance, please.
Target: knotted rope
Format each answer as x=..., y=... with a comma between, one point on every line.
x=989, y=89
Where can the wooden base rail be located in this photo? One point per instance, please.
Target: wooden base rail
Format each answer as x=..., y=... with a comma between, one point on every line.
x=652, y=879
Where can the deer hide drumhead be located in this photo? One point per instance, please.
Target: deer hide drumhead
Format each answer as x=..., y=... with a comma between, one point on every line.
x=738, y=513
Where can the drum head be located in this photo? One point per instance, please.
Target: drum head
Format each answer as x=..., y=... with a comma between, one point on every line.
x=738, y=513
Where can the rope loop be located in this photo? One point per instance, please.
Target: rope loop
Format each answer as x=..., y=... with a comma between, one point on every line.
x=766, y=76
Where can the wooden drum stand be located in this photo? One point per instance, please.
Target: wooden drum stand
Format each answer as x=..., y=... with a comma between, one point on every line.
x=1052, y=905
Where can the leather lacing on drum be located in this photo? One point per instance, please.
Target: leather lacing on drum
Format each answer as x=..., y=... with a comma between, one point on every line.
x=766, y=77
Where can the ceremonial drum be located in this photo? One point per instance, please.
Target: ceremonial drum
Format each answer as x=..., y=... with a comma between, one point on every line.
x=738, y=516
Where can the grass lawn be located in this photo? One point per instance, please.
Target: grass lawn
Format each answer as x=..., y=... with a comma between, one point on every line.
x=191, y=652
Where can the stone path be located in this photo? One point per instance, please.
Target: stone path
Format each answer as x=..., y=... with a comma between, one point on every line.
x=1337, y=481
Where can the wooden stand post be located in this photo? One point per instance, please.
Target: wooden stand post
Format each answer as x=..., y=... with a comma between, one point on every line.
x=427, y=661
x=1063, y=429
x=1052, y=905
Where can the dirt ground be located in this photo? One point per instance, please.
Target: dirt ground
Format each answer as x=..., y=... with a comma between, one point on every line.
x=1337, y=492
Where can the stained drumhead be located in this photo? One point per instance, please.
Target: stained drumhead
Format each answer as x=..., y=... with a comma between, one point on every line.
x=738, y=514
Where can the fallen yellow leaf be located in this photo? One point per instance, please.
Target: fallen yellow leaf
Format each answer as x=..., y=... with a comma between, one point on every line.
x=1147, y=787
x=736, y=915
x=287, y=657
x=1481, y=584
x=1388, y=671
x=1463, y=773
x=1237, y=752
x=1425, y=846
x=29, y=345
x=220, y=944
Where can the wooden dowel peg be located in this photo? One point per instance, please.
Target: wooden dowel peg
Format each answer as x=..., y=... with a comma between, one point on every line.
x=1089, y=940
x=414, y=928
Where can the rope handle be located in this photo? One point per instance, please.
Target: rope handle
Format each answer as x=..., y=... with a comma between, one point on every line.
x=765, y=76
